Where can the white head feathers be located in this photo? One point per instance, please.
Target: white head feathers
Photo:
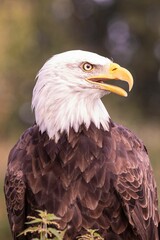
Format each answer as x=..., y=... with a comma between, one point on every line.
x=62, y=98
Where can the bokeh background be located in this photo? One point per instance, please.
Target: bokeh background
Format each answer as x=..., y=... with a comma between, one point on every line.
x=126, y=31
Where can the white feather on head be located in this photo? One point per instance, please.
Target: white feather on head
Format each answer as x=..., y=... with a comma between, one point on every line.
x=62, y=98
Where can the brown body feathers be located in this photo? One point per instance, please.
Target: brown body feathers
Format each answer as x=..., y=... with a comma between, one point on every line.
x=90, y=179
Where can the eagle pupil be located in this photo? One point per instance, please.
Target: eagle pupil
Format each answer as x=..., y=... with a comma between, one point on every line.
x=87, y=67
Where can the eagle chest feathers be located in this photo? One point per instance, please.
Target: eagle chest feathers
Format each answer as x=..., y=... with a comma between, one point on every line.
x=75, y=162
x=74, y=177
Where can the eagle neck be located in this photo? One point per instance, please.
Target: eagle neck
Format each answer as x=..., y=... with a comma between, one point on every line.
x=71, y=112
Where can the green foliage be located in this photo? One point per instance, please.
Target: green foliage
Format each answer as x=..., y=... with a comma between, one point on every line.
x=46, y=232
x=91, y=235
x=43, y=226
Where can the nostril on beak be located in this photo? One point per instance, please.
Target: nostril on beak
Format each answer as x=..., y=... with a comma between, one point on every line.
x=114, y=69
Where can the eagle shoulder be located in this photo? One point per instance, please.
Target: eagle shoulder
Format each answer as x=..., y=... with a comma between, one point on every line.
x=135, y=183
x=15, y=182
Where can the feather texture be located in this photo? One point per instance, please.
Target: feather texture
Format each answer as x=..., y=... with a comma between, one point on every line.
x=91, y=179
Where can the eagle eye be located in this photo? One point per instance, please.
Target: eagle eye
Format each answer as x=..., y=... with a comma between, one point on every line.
x=87, y=66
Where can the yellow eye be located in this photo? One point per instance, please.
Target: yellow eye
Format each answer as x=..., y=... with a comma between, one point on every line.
x=87, y=67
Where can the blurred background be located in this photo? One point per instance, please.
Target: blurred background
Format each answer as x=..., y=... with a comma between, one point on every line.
x=128, y=32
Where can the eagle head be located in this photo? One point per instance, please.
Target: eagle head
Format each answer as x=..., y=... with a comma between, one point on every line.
x=69, y=88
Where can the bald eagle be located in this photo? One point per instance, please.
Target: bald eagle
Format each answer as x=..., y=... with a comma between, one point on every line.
x=76, y=162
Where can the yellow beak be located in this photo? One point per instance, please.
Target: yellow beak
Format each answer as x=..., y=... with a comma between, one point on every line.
x=115, y=72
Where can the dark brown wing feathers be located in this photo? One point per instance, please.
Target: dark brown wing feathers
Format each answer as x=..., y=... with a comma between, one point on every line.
x=136, y=186
x=91, y=179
